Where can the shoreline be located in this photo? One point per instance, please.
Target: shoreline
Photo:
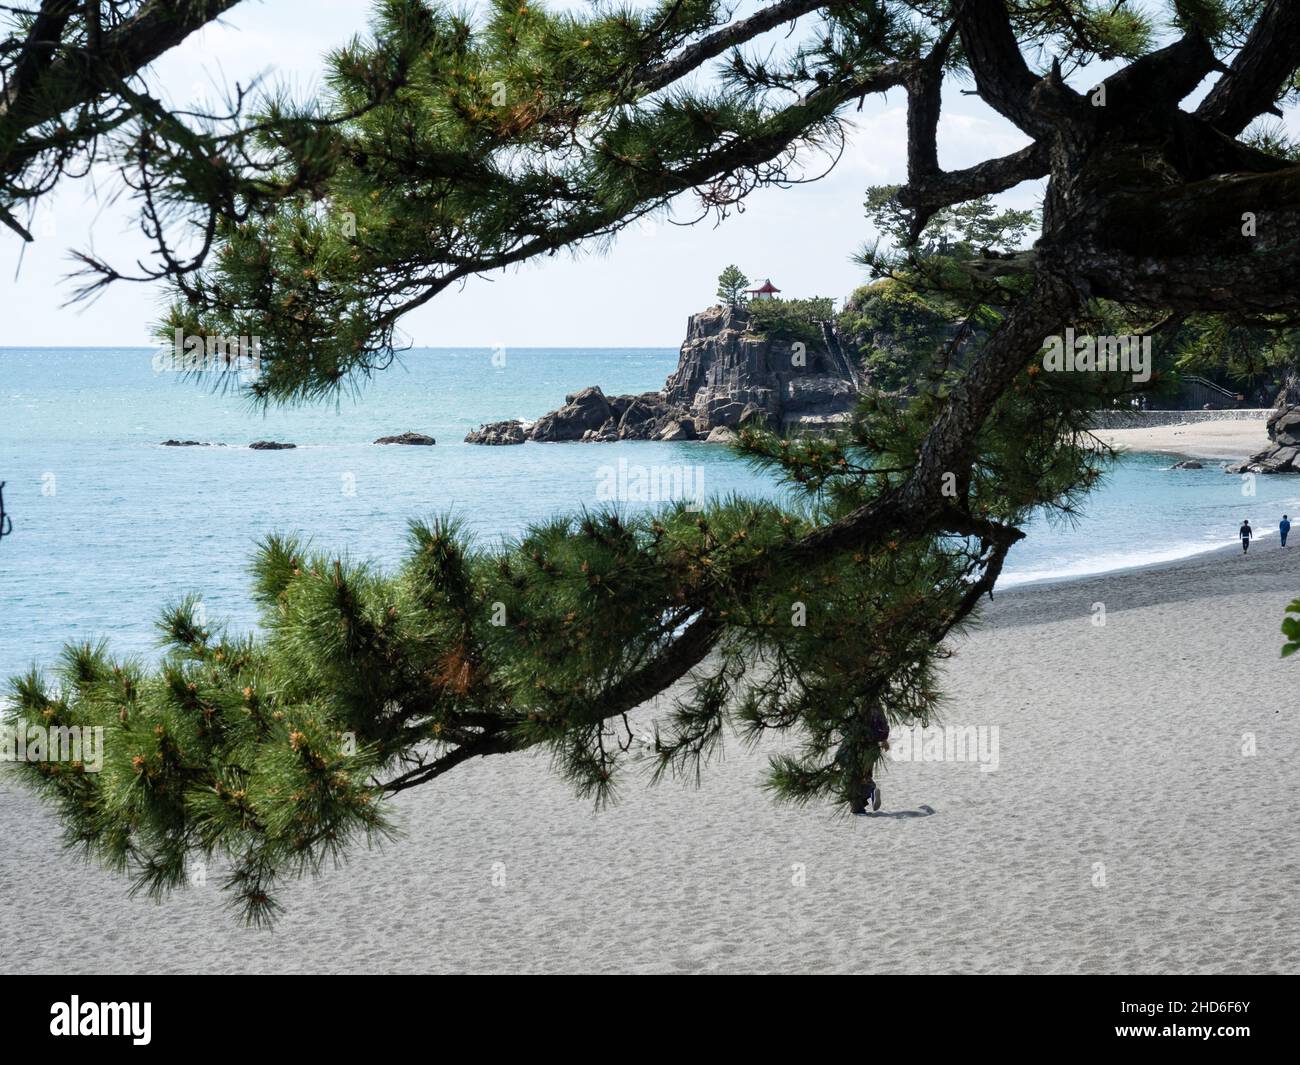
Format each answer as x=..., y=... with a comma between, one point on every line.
x=1220, y=570
x=1208, y=553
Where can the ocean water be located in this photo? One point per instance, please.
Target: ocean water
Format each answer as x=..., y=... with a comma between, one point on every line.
x=109, y=526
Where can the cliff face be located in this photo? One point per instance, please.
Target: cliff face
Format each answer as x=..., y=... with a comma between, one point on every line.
x=725, y=375
x=725, y=369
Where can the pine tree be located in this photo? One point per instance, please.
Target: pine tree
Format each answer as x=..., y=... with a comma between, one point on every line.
x=731, y=283
x=448, y=147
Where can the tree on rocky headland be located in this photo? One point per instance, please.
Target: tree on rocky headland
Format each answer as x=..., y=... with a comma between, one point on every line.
x=731, y=286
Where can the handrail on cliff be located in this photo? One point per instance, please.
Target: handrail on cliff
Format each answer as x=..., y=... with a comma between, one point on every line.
x=844, y=363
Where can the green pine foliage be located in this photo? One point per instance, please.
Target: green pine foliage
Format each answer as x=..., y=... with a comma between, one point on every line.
x=1243, y=353
x=895, y=331
x=731, y=285
x=791, y=320
x=958, y=231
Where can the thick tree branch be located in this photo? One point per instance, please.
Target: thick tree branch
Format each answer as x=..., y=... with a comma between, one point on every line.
x=1002, y=78
x=950, y=445
x=931, y=192
x=78, y=79
x=681, y=655
x=1259, y=73
x=1229, y=244
x=1159, y=80
x=489, y=743
x=43, y=41
x=924, y=101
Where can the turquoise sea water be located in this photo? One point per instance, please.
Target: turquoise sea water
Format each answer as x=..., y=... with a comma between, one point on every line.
x=109, y=526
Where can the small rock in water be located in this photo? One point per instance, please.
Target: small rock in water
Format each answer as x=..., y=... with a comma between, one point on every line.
x=407, y=438
x=1187, y=464
x=269, y=445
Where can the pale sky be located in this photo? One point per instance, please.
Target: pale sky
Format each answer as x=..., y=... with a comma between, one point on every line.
x=639, y=293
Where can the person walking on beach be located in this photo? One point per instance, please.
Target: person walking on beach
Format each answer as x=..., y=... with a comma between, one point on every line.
x=1245, y=532
x=1284, y=527
x=869, y=793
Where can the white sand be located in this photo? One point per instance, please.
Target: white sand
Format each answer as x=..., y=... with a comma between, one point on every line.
x=1119, y=745
x=1227, y=439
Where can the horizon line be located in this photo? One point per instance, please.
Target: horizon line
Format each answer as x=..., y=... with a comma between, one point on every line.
x=413, y=347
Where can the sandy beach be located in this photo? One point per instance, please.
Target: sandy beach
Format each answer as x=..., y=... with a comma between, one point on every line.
x=1226, y=439
x=1124, y=830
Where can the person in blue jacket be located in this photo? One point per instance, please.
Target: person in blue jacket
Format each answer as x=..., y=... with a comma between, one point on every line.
x=1284, y=527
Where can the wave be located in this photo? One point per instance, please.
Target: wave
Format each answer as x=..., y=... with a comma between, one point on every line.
x=1095, y=565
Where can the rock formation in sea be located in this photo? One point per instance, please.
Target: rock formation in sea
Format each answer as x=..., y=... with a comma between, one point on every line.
x=270, y=445
x=510, y=432
x=726, y=374
x=1281, y=455
x=408, y=438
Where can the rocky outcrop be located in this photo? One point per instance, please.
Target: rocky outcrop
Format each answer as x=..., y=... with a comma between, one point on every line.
x=683, y=429
x=270, y=445
x=582, y=411
x=1187, y=464
x=645, y=417
x=605, y=434
x=726, y=375
x=498, y=433
x=1283, y=425
x=188, y=443
x=409, y=439
x=1281, y=455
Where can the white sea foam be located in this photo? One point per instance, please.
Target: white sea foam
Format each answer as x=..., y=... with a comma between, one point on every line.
x=1111, y=561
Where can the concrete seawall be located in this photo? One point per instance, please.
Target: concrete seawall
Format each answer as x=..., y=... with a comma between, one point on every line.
x=1147, y=419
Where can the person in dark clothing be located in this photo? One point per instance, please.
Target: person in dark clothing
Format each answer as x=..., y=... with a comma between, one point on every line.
x=1245, y=532
x=878, y=728
x=1284, y=527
